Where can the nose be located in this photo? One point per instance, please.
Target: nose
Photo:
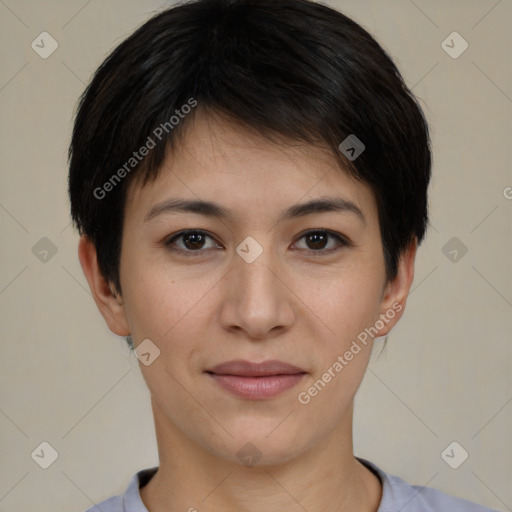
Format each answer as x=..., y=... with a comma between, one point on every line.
x=257, y=299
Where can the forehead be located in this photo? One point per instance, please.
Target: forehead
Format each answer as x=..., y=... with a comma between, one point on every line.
x=222, y=160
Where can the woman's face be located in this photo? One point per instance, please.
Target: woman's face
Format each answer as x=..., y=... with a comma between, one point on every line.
x=260, y=283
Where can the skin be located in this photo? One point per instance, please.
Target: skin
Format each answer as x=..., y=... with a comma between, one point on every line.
x=297, y=302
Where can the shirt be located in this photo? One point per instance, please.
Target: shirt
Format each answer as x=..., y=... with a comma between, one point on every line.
x=397, y=495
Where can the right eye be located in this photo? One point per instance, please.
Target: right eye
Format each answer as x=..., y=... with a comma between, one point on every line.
x=193, y=240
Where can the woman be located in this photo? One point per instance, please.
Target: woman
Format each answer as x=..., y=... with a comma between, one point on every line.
x=249, y=179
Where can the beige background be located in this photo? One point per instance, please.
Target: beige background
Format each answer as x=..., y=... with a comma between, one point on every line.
x=446, y=374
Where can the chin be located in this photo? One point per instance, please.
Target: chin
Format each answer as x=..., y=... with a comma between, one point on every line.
x=259, y=447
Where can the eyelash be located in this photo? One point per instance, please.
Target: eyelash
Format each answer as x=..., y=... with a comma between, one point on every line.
x=341, y=240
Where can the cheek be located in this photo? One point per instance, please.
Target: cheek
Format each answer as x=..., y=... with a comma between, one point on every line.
x=345, y=301
x=165, y=304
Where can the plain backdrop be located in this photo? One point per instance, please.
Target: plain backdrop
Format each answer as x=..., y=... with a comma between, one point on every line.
x=445, y=375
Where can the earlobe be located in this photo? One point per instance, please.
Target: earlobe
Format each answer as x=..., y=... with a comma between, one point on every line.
x=107, y=300
x=397, y=290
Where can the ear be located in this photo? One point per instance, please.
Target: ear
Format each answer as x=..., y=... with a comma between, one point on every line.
x=396, y=291
x=108, y=301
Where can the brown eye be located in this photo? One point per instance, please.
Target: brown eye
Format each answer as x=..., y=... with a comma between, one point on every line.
x=318, y=241
x=193, y=241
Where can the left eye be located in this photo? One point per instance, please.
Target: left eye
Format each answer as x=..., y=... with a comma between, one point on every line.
x=317, y=240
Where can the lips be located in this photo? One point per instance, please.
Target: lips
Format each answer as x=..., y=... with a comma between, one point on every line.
x=256, y=381
x=248, y=369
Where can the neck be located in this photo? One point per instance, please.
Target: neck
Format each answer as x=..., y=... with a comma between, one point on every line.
x=324, y=478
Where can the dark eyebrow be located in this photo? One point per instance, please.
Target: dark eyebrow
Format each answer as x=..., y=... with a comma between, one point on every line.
x=210, y=209
x=320, y=205
x=206, y=208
